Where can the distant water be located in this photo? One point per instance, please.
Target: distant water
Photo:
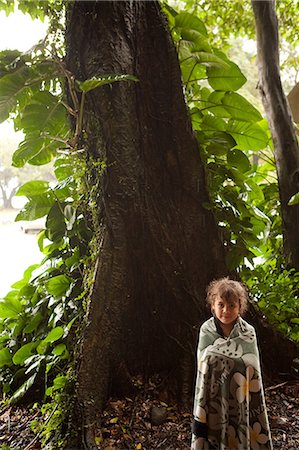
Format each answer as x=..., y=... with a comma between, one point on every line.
x=18, y=250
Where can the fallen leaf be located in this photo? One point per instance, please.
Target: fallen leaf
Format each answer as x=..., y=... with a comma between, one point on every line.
x=114, y=420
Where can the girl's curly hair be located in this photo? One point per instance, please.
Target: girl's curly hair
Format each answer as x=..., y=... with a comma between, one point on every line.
x=228, y=290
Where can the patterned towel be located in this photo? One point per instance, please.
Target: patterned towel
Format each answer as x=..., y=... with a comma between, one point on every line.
x=229, y=399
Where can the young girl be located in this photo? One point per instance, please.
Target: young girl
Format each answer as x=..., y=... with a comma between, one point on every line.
x=229, y=405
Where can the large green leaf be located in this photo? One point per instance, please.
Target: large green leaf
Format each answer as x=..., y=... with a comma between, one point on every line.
x=23, y=353
x=198, y=42
x=46, y=114
x=32, y=188
x=236, y=158
x=54, y=335
x=210, y=123
x=248, y=136
x=11, y=85
x=59, y=285
x=63, y=167
x=294, y=200
x=8, y=58
x=214, y=103
x=33, y=323
x=239, y=108
x=210, y=60
x=5, y=357
x=189, y=21
x=36, y=150
x=10, y=307
x=56, y=226
x=225, y=79
x=219, y=143
x=93, y=83
x=36, y=207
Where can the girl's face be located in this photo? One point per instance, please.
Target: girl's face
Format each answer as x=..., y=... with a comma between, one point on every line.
x=226, y=311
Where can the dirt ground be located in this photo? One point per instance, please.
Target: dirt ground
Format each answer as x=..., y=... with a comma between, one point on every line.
x=128, y=424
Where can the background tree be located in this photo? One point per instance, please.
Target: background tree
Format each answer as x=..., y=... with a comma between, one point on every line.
x=281, y=123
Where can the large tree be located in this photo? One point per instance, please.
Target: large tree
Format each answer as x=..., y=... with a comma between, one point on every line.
x=158, y=246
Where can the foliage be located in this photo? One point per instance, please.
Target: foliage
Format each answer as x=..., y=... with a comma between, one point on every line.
x=276, y=293
x=229, y=131
x=38, y=315
x=234, y=17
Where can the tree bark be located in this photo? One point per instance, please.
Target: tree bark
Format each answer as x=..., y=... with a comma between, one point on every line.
x=281, y=124
x=158, y=246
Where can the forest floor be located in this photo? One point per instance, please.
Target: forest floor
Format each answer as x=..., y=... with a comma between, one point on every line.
x=145, y=422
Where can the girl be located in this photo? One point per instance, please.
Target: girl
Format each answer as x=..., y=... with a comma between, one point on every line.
x=229, y=405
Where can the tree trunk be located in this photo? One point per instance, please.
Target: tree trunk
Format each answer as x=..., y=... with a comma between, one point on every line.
x=158, y=246
x=281, y=124
x=5, y=198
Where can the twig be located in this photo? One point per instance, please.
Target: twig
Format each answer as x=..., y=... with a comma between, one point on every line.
x=272, y=388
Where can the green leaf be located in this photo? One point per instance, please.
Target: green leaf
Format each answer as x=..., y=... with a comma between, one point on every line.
x=210, y=123
x=59, y=349
x=198, y=42
x=10, y=307
x=191, y=22
x=36, y=150
x=236, y=158
x=60, y=382
x=54, y=335
x=239, y=108
x=5, y=357
x=219, y=143
x=248, y=136
x=294, y=200
x=59, y=285
x=93, y=83
x=225, y=79
x=46, y=114
x=23, y=353
x=210, y=60
x=36, y=207
x=55, y=223
x=11, y=85
x=63, y=168
x=32, y=188
x=22, y=390
x=235, y=256
x=8, y=60
x=26, y=277
x=33, y=323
